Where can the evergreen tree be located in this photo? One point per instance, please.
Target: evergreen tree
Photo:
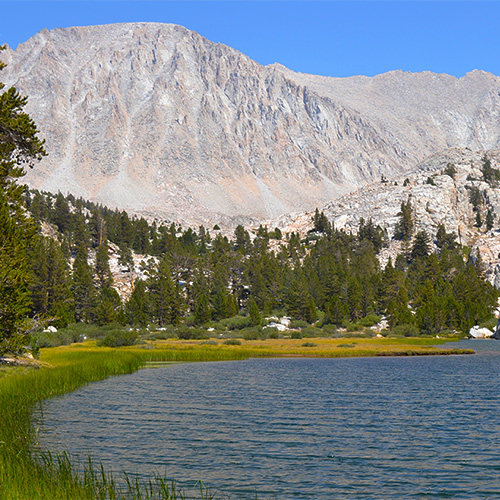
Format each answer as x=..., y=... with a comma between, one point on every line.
x=479, y=221
x=82, y=286
x=420, y=248
x=50, y=289
x=444, y=239
x=253, y=311
x=241, y=240
x=61, y=215
x=19, y=148
x=404, y=227
x=102, y=270
x=320, y=222
x=489, y=220
x=137, y=309
x=166, y=300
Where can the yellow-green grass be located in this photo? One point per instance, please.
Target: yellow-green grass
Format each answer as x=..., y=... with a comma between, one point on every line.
x=195, y=350
x=26, y=475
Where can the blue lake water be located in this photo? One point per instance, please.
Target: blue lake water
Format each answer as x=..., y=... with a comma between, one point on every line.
x=364, y=428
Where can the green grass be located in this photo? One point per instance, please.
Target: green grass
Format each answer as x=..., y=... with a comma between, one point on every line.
x=24, y=474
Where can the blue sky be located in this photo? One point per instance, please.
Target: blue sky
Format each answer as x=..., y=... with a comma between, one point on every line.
x=334, y=38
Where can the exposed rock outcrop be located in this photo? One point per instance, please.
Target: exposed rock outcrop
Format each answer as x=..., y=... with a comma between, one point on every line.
x=435, y=197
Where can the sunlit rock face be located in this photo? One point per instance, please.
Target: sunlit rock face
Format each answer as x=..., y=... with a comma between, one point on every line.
x=157, y=120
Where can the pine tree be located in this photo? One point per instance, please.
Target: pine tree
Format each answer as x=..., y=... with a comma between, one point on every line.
x=253, y=311
x=166, y=300
x=82, y=286
x=404, y=226
x=489, y=220
x=50, y=289
x=19, y=148
x=420, y=248
x=137, y=309
x=102, y=270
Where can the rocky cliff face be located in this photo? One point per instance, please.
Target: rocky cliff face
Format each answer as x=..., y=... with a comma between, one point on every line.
x=159, y=121
x=435, y=197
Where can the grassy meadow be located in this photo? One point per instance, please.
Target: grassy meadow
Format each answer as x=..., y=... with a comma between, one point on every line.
x=27, y=474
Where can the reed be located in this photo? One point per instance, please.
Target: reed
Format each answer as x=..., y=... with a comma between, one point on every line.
x=26, y=474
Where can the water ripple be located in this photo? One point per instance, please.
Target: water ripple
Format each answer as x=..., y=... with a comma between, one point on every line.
x=369, y=428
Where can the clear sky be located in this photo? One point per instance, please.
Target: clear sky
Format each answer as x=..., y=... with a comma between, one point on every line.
x=334, y=38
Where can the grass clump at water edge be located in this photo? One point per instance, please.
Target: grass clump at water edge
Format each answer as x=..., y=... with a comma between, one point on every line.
x=28, y=474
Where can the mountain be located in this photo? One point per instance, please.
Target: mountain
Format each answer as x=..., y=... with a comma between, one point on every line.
x=157, y=120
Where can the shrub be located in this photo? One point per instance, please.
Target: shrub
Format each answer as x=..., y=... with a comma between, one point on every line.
x=330, y=330
x=272, y=333
x=369, y=320
x=118, y=338
x=309, y=344
x=232, y=342
x=296, y=335
x=237, y=322
x=298, y=323
x=253, y=333
x=406, y=330
x=311, y=331
x=353, y=327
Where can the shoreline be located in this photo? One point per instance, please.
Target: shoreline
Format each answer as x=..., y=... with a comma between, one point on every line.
x=26, y=474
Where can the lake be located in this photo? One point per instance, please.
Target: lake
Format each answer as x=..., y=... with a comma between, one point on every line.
x=361, y=428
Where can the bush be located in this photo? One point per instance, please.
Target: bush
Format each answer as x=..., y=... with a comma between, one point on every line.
x=312, y=331
x=118, y=338
x=272, y=333
x=75, y=332
x=232, y=342
x=330, y=330
x=353, y=327
x=253, y=333
x=406, y=330
x=236, y=322
x=309, y=344
x=296, y=335
x=369, y=320
x=298, y=323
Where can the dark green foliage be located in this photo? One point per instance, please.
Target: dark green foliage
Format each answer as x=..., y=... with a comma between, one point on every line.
x=242, y=240
x=374, y=234
x=118, y=337
x=404, y=227
x=50, y=289
x=489, y=220
x=320, y=222
x=104, y=279
x=444, y=239
x=253, y=312
x=430, y=181
x=165, y=296
x=137, y=309
x=475, y=197
x=479, y=220
x=83, y=288
x=450, y=170
x=490, y=175
x=19, y=148
x=331, y=276
x=108, y=308
x=420, y=246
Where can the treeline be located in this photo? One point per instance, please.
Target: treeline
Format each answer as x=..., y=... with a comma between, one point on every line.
x=195, y=277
